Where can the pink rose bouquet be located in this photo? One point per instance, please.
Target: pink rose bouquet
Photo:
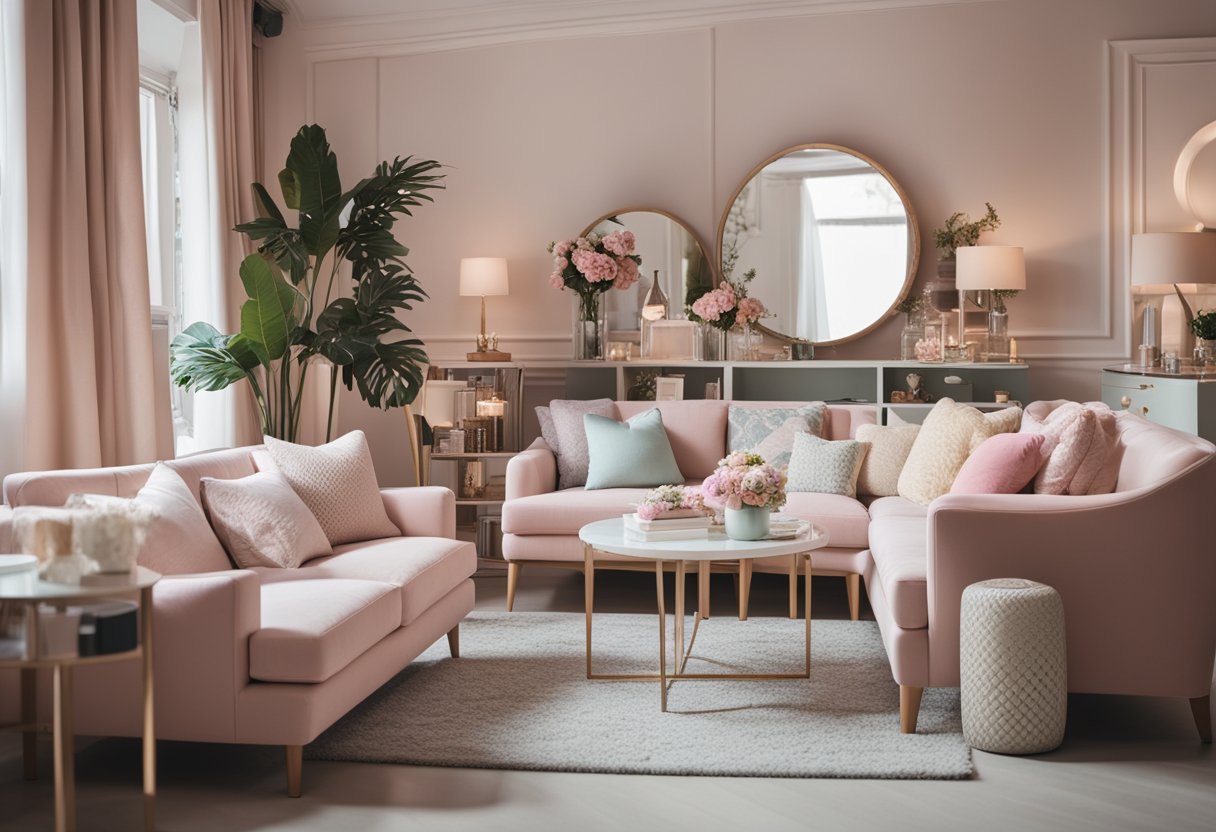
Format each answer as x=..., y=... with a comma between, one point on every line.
x=744, y=479
x=727, y=305
x=671, y=498
x=593, y=264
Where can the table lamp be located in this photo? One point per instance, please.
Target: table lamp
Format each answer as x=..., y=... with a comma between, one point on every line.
x=1166, y=259
x=484, y=277
x=992, y=269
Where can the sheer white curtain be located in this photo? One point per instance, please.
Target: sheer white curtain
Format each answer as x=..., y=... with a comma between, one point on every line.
x=12, y=236
x=217, y=148
x=812, y=302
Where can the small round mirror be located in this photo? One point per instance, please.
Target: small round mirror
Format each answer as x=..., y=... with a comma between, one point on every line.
x=832, y=237
x=666, y=244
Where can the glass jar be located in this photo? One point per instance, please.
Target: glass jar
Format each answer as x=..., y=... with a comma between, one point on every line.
x=930, y=349
x=913, y=331
x=711, y=343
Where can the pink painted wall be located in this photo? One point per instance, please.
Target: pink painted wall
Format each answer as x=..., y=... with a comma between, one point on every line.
x=999, y=101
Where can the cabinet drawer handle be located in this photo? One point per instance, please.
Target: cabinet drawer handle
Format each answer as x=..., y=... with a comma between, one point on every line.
x=1126, y=401
x=1146, y=387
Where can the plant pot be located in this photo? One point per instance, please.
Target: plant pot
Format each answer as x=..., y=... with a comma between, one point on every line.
x=747, y=523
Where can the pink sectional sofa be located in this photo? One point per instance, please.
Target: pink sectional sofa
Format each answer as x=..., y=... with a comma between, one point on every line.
x=270, y=656
x=1135, y=568
x=540, y=524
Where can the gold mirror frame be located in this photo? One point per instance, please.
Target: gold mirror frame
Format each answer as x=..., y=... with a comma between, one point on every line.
x=677, y=303
x=913, y=233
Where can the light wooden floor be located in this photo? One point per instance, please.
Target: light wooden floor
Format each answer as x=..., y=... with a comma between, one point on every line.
x=1126, y=764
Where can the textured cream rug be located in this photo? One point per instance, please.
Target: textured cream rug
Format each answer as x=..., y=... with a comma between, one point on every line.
x=518, y=699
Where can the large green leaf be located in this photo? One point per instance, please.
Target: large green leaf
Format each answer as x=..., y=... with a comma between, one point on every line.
x=200, y=359
x=268, y=317
x=290, y=186
x=390, y=375
x=265, y=204
x=315, y=170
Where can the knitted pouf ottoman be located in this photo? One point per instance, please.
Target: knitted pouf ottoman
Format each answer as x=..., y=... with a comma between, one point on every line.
x=1013, y=667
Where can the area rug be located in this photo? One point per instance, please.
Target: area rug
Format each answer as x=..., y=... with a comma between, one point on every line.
x=518, y=699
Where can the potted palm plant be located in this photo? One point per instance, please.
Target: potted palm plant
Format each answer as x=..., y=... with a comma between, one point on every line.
x=297, y=313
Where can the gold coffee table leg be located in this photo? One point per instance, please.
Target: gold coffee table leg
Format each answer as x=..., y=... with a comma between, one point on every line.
x=679, y=651
x=806, y=585
x=658, y=576
x=29, y=716
x=703, y=589
x=588, y=596
x=65, y=757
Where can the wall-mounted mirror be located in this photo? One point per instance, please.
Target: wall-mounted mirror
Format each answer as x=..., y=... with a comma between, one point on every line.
x=664, y=242
x=832, y=237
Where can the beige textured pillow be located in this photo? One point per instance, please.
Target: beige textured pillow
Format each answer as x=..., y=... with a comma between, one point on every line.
x=889, y=449
x=179, y=541
x=262, y=522
x=950, y=433
x=338, y=484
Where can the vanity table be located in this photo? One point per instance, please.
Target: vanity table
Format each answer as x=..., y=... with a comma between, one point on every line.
x=1185, y=401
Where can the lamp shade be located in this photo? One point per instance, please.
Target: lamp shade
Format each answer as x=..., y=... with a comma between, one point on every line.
x=1173, y=257
x=483, y=276
x=990, y=267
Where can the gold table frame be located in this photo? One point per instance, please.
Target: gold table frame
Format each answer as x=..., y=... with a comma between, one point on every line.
x=682, y=654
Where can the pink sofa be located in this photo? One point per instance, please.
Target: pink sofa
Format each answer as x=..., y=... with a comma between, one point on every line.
x=540, y=524
x=270, y=656
x=1135, y=567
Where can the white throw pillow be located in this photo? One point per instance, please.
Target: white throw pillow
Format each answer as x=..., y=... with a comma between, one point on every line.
x=825, y=466
x=261, y=521
x=889, y=446
x=950, y=433
x=338, y=484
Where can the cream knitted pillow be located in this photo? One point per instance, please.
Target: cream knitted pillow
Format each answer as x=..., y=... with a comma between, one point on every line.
x=261, y=521
x=338, y=484
x=889, y=449
x=950, y=433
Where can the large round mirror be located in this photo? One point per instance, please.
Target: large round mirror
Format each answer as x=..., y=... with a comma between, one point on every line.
x=832, y=237
x=666, y=245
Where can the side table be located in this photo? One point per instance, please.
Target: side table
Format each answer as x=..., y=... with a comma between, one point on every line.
x=26, y=590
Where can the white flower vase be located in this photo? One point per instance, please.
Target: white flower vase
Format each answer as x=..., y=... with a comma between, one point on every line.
x=747, y=523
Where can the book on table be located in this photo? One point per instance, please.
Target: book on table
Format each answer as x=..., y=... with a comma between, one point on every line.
x=682, y=528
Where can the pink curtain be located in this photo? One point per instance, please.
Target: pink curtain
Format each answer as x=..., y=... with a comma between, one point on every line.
x=90, y=394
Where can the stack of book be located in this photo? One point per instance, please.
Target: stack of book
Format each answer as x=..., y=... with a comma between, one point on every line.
x=674, y=525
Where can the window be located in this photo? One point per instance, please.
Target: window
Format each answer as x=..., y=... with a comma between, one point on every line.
x=162, y=218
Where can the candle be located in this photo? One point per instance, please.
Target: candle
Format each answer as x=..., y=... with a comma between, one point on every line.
x=1013, y=349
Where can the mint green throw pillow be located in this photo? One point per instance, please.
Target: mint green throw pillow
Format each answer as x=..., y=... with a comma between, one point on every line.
x=633, y=454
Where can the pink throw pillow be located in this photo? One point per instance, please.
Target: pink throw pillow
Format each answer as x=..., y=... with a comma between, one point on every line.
x=1002, y=464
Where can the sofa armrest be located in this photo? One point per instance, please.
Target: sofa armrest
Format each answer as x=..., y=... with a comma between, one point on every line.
x=533, y=471
x=1134, y=570
x=422, y=511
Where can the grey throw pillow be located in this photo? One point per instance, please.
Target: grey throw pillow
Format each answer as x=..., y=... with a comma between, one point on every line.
x=561, y=426
x=770, y=431
x=825, y=467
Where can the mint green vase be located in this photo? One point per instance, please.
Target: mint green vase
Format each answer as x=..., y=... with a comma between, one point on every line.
x=747, y=523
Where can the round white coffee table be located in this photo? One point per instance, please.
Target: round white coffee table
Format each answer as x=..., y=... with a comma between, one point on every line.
x=609, y=536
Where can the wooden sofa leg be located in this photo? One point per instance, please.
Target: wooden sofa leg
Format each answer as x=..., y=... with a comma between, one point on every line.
x=454, y=641
x=852, y=582
x=513, y=570
x=909, y=708
x=1201, y=709
x=745, y=586
x=295, y=768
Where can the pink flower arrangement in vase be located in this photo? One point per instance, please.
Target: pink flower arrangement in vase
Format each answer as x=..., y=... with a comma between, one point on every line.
x=722, y=309
x=749, y=489
x=592, y=265
x=671, y=502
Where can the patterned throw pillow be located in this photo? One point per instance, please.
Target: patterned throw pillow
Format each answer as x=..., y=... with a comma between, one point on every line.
x=338, y=484
x=822, y=466
x=770, y=431
x=262, y=522
x=1078, y=448
x=950, y=433
x=561, y=426
x=889, y=447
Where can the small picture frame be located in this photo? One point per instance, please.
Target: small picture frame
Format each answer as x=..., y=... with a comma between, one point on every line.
x=668, y=388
